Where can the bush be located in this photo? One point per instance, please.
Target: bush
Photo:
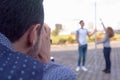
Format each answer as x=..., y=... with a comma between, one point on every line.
x=62, y=41
x=100, y=36
x=55, y=32
x=91, y=39
x=70, y=40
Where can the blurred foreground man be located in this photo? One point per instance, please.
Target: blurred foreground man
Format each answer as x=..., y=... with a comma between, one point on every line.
x=25, y=43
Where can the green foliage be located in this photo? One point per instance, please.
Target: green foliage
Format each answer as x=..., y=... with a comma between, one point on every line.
x=116, y=37
x=55, y=32
x=70, y=39
x=58, y=27
x=62, y=41
x=92, y=39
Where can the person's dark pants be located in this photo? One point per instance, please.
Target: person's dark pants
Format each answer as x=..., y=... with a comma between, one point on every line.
x=107, y=51
x=82, y=54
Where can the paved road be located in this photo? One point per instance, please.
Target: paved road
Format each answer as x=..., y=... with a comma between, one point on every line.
x=67, y=55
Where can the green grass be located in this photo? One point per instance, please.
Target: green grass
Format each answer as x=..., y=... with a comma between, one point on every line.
x=56, y=39
x=72, y=39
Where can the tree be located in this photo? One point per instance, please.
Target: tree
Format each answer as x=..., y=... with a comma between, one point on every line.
x=55, y=32
x=58, y=27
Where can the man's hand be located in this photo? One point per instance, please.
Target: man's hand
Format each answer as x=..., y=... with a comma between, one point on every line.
x=44, y=47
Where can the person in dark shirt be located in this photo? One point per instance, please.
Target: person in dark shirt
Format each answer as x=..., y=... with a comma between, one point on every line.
x=109, y=33
x=20, y=26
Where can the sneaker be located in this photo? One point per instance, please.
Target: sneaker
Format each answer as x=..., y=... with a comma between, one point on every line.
x=108, y=71
x=52, y=59
x=78, y=68
x=104, y=70
x=84, y=68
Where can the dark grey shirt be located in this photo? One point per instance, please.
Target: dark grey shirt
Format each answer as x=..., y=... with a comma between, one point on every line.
x=105, y=41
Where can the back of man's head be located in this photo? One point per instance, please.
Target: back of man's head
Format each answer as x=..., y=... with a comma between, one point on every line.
x=17, y=16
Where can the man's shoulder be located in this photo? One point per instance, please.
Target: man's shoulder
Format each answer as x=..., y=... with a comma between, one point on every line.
x=19, y=64
x=81, y=29
x=77, y=31
x=60, y=72
x=17, y=55
x=84, y=30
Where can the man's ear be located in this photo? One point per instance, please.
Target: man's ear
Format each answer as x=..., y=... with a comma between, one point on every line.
x=33, y=35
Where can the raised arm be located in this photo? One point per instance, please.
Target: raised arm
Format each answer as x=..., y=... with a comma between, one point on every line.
x=103, y=24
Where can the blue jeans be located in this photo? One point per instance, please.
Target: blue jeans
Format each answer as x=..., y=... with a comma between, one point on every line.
x=107, y=52
x=82, y=54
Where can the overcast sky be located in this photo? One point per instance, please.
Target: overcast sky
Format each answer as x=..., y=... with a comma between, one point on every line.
x=69, y=12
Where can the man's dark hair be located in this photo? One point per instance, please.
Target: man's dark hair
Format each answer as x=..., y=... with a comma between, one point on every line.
x=80, y=21
x=17, y=16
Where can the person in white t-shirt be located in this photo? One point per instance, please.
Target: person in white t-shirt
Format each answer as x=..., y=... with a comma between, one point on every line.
x=81, y=37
